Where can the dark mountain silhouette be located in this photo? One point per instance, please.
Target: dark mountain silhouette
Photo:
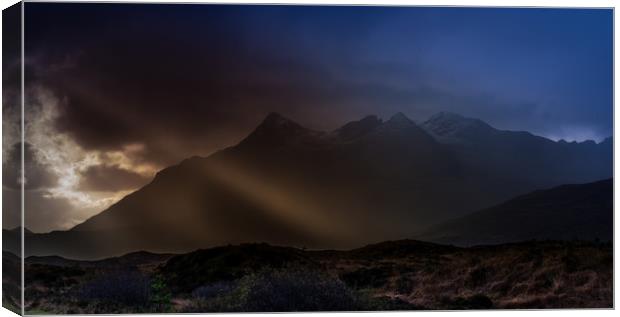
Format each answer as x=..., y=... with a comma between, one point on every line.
x=517, y=162
x=367, y=181
x=567, y=212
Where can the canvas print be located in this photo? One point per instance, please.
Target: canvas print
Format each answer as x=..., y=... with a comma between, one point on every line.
x=199, y=158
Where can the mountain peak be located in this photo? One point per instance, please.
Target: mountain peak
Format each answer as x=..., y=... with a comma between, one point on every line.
x=371, y=118
x=276, y=119
x=275, y=122
x=276, y=128
x=399, y=121
x=449, y=123
x=400, y=118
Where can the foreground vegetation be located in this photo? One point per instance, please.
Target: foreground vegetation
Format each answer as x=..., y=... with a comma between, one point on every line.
x=398, y=275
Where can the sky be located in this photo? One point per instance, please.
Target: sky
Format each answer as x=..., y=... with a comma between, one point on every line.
x=116, y=92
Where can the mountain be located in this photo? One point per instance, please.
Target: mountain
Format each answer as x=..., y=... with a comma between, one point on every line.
x=567, y=212
x=450, y=127
x=370, y=180
x=355, y=129
x=285, y=184
x=516, y=162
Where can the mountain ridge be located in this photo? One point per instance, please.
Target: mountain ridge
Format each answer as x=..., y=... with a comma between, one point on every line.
x=370, y=180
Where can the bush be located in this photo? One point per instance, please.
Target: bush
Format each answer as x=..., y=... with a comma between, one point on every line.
x=186, y=272
x=294, y=291
x=367, y=277
x=277, y=291
x=160, y=295
x=125, y=287
x=213, y=290
x=52, y=276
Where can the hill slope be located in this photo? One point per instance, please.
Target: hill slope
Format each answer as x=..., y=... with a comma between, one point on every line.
x=566, y=212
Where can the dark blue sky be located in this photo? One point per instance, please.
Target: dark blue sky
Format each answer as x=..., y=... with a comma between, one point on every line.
x=545, y=71
x=208, y=74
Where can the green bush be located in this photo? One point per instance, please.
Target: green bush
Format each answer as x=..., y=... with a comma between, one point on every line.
x=160, y=295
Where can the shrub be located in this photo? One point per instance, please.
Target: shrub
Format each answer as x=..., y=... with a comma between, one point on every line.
x=213, y=290
x=51, y=275
x=272, y=290
x=367, y=277
x=160, y=295
x=291, y=290
x=125, y=287
x=187, y=272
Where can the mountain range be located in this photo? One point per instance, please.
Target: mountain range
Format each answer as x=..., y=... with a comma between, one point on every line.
x=370, y=180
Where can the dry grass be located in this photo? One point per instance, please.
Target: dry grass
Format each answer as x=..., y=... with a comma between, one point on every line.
x=397, y=275
x=531, y=275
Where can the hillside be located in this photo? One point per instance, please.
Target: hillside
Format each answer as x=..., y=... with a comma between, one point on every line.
x=567, y=212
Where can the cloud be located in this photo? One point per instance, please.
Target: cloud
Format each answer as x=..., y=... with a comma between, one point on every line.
x=11, y=208
x=37, y=175
x=107, y=178
x=11, y=115
x=43, y=213
x=65, y=183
